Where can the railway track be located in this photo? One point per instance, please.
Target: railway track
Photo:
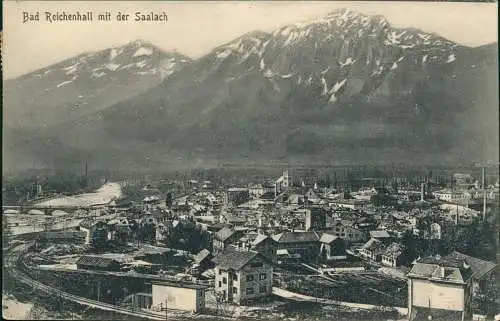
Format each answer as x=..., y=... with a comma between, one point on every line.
x=11, y=261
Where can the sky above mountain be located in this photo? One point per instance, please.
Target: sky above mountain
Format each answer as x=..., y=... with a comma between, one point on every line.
x=195, y=28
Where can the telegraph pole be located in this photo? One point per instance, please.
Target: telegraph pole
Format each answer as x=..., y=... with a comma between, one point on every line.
x=483, y=166
x=484, y=194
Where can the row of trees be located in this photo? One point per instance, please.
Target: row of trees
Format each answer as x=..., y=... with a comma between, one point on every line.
x=477, y=239
x=189, y=236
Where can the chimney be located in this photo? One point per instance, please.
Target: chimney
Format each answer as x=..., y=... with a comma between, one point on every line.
x=441, y=271
x=422, y=191
x=484, y=195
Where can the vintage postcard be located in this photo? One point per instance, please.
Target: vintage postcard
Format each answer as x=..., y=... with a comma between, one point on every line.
x=268, y=160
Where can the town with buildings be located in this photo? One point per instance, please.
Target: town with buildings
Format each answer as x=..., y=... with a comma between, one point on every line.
x=392, y=248
x=250, y=161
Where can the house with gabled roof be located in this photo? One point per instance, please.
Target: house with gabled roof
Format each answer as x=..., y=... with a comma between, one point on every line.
x=483, y=272
x=242, y=275
x=440, y=288
x=266, y=246
x=373, y=249
x=332, y=247
x=393, y=255
x=224, y=237
x=346, y=232
x=306, y=244
x=202, y=261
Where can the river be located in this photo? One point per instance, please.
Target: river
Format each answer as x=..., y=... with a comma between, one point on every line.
x=104, y=195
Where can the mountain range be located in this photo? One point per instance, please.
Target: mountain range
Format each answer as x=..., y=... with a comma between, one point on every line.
x=343, y=89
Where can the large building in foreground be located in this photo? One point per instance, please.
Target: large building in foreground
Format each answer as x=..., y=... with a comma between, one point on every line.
x=178, y=297
x=440, y=289
x=242, y=275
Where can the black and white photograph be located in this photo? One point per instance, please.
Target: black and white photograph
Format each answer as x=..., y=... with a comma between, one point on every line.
x=250, y=160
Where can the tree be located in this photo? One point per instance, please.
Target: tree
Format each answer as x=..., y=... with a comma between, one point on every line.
x=410, y=242
x=168, y=200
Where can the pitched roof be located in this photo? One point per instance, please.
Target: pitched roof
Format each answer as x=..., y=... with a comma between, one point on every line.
x=327, y=238
x=259, y=239
x=96, y=261
x=379, y=234
x=451, y=270
x=479, y=267
x=224, y=234
x=375, y=246
x=423, y=269
x=235, y=259
x=201, y=256
x=296, y=237
x=394, y=250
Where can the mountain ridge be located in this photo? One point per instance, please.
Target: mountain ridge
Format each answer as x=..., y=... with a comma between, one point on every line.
x=344, y=89
x=85, y=83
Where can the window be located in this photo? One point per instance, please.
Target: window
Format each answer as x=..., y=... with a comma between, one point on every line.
x=220, y=272
x=224, y=280
x=262, y=289
x=220, y=284
x=262, y=276
x=249, y=278
x=256, y=264
x=249, y=290
x=351, y=236
x=235, y=277
x=235, y=290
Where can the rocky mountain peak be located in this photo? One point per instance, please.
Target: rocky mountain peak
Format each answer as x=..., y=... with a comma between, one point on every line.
x=344, y=53
x=346, y=87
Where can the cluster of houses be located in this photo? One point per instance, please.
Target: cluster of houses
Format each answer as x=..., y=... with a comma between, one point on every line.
x=381, y=248
x=467, y=190
x=255, y=228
